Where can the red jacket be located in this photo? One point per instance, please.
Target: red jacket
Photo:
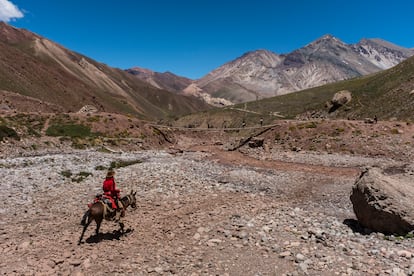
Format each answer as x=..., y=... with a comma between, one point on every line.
x=109, y=187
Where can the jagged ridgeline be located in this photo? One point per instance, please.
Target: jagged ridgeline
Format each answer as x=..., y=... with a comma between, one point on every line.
x=263, y=74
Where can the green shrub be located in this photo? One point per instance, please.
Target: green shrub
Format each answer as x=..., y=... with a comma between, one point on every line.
x=78, y=143
x=70, y=130
x=308, y=125
x=123, y=163
x=66, y=173
x=394, y=131
x=311, y=125
x=409, y=235
x=33, y=132
x=337, y=131
x=6, y=132
x=357, y=132
x=75, y=178
x=340, y=129
x=93, y=119
x=80, y=176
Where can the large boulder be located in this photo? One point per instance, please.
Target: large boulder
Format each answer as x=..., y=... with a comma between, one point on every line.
x=384, y=202
x=340, y=99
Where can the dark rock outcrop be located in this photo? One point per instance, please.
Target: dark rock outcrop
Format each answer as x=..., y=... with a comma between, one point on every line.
x=256, y=142
x=384, y=203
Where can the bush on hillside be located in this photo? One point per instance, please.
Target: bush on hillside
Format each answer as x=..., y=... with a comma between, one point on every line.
x=69, y=130
x=6, y=132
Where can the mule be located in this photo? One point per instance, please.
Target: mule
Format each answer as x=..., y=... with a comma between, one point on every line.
x=99, y=211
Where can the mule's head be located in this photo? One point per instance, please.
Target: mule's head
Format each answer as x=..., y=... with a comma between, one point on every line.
x=133, y=199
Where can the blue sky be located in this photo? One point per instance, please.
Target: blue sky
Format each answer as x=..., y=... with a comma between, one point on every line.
x=191, y=38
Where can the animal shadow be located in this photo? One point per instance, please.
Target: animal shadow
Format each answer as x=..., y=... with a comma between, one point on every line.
x=356, y=227
x=115, y=235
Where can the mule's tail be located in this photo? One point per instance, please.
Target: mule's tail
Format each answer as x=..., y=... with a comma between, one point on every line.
x=85, y=218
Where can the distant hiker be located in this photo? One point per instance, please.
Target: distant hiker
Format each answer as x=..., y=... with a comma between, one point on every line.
x=112, y=193
x=375, y=119
x=261, y=121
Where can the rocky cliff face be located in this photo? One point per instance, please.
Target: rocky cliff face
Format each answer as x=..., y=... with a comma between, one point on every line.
x=262, y=74
x=247, y=78
x=382, y=53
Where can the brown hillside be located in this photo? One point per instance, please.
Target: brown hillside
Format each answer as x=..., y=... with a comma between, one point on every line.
x=36, y=67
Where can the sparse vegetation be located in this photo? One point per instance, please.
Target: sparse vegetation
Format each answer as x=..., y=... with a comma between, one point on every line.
x=311, y=124
x=277, y=137
x=124, y=163
x=75, y=178
x=123, y=134
x=66, y=173
x=337, y=131
x=409, y=235
x=101, y=168
x=357, y=132
x=93, y=119
x=7, y=132
x=80, y=176
x=78, y=143
x=24, y=124
x=394, y=131
x=70, y=130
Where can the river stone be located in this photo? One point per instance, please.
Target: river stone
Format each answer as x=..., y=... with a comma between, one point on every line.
x=384, y=203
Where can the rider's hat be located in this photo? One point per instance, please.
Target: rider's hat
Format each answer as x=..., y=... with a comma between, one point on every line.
x=110, y=173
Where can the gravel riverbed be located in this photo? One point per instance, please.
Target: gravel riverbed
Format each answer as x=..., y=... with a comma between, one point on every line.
x=198, y=213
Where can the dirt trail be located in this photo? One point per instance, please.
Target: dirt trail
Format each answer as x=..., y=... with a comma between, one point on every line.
x=238, y=158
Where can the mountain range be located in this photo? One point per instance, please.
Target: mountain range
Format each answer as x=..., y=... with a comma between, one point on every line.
x=386, y=95
x=48, y=77
x=39, y=70
x=262, y=73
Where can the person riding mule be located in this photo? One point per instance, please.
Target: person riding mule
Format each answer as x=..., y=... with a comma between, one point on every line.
x=98, y=212
x=112, y=193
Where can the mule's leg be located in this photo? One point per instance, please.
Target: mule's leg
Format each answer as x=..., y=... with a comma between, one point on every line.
x=85, y=217
x=83, y=231
x=98, y=225
x=121, y=226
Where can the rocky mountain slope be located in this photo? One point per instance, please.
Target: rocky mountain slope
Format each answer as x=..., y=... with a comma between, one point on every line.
x=33, y=66
x=261, y=74
x=176, y=84
x=167, y=80
x=387, y=95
